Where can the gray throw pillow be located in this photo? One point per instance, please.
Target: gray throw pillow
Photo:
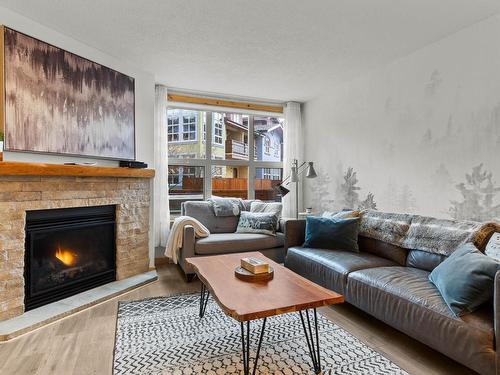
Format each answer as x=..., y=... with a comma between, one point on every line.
x=257, y=222
x=465, y=279
x=267, y=207
x=226, y=206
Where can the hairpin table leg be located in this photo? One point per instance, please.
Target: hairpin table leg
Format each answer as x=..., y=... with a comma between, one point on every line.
x=312, y=339
x=204, y=295
x=245, y=344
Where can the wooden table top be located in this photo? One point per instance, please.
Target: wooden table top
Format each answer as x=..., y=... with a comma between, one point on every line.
x=242, y=300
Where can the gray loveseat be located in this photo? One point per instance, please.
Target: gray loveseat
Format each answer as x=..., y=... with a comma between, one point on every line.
x=388, y=279
x=224, y=240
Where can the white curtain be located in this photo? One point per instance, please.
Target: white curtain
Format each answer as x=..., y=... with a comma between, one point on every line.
x=293, y=149
x=161, y=206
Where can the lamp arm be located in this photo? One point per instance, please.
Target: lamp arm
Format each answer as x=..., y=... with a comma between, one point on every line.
x=298, y=173
x=301, y=171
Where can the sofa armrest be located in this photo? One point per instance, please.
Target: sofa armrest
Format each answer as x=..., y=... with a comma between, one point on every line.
x=294, y=231
x=187, y=249
x=496, y=317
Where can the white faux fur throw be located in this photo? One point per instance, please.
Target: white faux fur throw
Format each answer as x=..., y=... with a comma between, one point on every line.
x=384, y=226
x=441, y=236
x=414, y=232
x=176, y=235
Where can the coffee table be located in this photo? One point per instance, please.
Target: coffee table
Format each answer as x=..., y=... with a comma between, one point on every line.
x=247, y=301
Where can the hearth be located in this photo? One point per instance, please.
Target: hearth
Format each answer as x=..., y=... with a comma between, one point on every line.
x=68, y=251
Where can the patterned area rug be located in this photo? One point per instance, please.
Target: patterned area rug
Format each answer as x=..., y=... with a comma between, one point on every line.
x=166, y=336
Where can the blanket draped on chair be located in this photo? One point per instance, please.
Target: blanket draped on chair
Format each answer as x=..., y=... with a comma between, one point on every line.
x=176, y=236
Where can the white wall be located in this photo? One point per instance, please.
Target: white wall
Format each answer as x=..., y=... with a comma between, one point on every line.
x=412, y=130
x=144, y=93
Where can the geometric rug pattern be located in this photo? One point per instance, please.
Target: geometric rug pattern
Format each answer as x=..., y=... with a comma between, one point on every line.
x=165, y=336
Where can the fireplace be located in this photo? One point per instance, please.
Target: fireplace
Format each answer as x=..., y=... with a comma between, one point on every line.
x=68, y=251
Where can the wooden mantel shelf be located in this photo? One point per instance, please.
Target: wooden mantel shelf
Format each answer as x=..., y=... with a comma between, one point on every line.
x=11, y=168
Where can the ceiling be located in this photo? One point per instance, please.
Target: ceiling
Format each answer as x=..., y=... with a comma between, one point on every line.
x=273, y=49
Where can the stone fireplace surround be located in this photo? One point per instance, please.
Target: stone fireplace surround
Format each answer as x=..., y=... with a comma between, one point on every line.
x=30, y=186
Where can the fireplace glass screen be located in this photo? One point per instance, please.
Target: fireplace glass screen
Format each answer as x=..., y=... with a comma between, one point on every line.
x=68, y=251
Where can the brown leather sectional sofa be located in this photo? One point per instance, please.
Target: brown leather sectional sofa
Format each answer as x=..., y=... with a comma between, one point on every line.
x=391, y=283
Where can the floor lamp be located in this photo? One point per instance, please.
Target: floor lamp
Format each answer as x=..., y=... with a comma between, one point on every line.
x=295, y=173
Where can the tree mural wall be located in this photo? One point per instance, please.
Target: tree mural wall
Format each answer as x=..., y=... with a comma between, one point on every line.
x=349, y=191
x=320, y=186
x=368, y=203
x=416, y=131
x=478, y=194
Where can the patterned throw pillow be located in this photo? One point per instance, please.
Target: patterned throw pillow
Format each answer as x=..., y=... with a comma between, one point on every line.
x=226, y=206
x=257, y=222
x=267, y=207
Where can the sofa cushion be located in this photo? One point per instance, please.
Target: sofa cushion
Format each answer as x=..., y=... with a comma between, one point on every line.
x=465, y=279
x=404, y=298
x=203, y=212
x=423, y=260
x=226, y=206
x=383, y=249
x=329, y=268
x=225, y=243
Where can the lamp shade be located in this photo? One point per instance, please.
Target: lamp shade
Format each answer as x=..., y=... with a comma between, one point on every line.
x=311, y=173
x=282, y=190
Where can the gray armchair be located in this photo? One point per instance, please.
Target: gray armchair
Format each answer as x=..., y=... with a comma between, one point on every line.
x=224, y=240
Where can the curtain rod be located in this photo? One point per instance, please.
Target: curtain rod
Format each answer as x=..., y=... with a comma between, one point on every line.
x=224, y=103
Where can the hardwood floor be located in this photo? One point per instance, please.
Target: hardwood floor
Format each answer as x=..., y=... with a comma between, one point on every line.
x=83, y=343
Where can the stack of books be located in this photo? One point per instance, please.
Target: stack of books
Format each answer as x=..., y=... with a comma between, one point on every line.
x=254, y=265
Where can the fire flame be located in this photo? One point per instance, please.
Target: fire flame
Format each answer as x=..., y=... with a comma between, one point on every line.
x=67, y=257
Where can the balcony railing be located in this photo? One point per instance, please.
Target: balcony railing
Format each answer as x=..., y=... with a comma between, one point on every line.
x=237, y=150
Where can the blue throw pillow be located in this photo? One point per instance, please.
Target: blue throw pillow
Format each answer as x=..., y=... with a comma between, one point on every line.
x=336, y=234
x=465, y=279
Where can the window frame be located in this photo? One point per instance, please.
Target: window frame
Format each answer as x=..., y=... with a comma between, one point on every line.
x=192, y=128
x=172, y=126
x=208, y=141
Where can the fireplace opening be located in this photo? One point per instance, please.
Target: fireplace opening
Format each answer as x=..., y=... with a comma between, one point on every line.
x=68, y=251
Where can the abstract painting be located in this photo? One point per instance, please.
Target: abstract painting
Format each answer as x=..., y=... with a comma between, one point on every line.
x=58, y=102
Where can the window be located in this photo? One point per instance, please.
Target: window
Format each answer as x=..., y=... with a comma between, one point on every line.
x=174, y=179
x=185, y=183
x=218, y=127
x=230, y=181
x=267, y=146
x=268, y=138
x=189, y=128
x=266, y=180
x=173, y=129
x=233, y=169
x=230, y=140
x=184, y=126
